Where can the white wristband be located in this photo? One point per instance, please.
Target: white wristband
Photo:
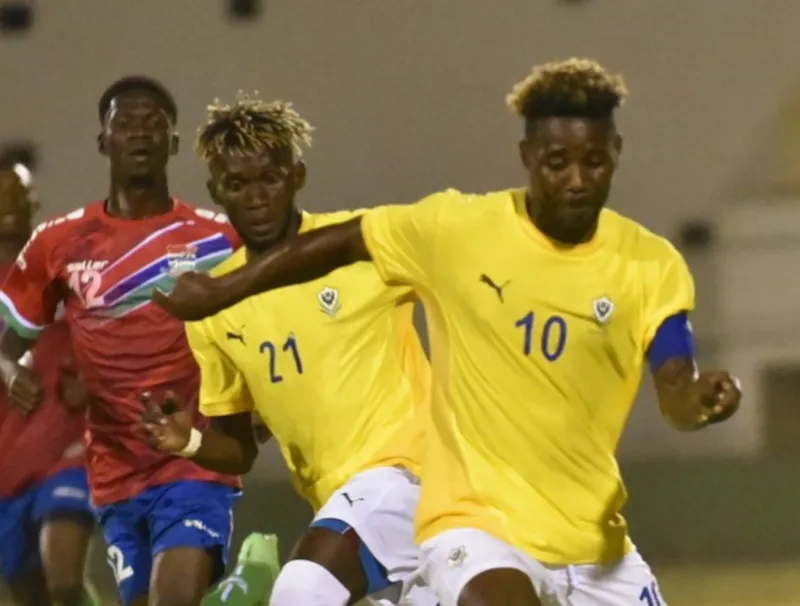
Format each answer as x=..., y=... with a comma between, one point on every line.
x=193, y=445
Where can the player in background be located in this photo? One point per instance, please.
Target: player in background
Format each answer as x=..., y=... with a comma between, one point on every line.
x=167, y=521
x=544, y=308
x=334, y=367
x=46, y=519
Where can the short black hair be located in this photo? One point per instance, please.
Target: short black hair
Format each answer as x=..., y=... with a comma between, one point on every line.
x=580, y=88
x=131, y=83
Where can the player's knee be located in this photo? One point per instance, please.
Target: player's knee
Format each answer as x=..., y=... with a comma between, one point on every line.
x=305, y=582
x=67, y=594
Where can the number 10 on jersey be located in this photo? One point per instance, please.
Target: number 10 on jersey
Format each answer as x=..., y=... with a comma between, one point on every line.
x=552, y=339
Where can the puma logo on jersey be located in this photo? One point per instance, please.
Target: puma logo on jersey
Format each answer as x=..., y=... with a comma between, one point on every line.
x=349, y=500
x=236, y=336
x=484, y=279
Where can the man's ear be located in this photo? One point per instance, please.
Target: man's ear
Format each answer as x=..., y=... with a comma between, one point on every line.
x=174, y=143
x=299, y=173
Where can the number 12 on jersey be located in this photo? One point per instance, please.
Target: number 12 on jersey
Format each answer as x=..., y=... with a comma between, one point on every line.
x=553, y=337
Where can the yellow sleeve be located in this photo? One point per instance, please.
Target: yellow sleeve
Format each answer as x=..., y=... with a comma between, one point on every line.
x=401, y=237
x=223, y=390
x=671, y=291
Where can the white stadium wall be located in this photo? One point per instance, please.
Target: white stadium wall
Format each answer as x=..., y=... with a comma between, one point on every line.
x=408, y=97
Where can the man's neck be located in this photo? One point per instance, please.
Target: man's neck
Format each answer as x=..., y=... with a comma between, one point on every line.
x=139, y=200
x=291, y=231
x=533, y=208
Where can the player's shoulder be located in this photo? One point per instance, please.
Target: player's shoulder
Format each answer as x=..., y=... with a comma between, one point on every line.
x=50, y=234
x=316, y=220
x=460, y=206
x=59, y=225
x=203, y=217
x=636, y=241
x=468, y=201
x=462, y=212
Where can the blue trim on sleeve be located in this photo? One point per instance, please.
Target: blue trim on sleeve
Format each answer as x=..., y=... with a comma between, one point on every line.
x=674, y=339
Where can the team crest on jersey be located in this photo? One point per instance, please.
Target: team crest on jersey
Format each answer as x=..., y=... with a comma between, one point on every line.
x=603, y=309
x=182, y=258
x=329, y=300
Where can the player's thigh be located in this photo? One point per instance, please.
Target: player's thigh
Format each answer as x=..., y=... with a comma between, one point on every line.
x=629, y=581
x=64, y=546
x=128, y=550
x=378, y=505
x=63, y=512
x=499, y=587
x=470, y=567
x=191, y=525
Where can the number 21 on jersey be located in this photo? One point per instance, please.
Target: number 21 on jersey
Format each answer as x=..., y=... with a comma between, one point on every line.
x=274, y=351
x=551, y=340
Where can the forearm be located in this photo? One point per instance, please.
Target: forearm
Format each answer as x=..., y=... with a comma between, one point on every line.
x=680, y=412
x=675, y=384
x=300, y=259
x=12, y=348
x=225, y=454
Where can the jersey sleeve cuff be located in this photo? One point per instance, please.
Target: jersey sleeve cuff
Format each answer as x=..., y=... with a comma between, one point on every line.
x=16, y=321
x=659, y=319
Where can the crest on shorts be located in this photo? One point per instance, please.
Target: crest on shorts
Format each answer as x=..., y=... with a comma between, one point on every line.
x=329, y=301
x=181, y=258
x=603, y=309
x=456, y=556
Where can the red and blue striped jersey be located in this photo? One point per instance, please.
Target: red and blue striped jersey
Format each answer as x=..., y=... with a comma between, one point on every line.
x=104, y=270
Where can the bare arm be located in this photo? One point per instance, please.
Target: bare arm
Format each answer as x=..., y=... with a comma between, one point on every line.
x=25, y=390
x=307, y=257
x=689, y=400
x=228, y=446
x=12, y=348
x=674, y=380
x=301, y=259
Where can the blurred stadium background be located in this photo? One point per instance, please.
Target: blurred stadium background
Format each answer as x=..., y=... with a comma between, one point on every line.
x=407, y=97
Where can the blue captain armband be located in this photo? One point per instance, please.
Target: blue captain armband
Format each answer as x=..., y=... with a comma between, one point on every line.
x=674, y=339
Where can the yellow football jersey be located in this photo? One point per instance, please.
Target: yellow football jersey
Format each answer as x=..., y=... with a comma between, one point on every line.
x=537, y=353
x=334, y=367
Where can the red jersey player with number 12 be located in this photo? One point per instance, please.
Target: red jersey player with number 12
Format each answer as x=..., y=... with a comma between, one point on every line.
x=163, y=517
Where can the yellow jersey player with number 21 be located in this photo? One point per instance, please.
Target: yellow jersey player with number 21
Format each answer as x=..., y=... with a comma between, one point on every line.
x=334, y=368
x=544, y=308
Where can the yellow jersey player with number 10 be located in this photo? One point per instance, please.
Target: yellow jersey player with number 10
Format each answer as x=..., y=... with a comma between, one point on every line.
x=543, y=309
x=334, y=368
